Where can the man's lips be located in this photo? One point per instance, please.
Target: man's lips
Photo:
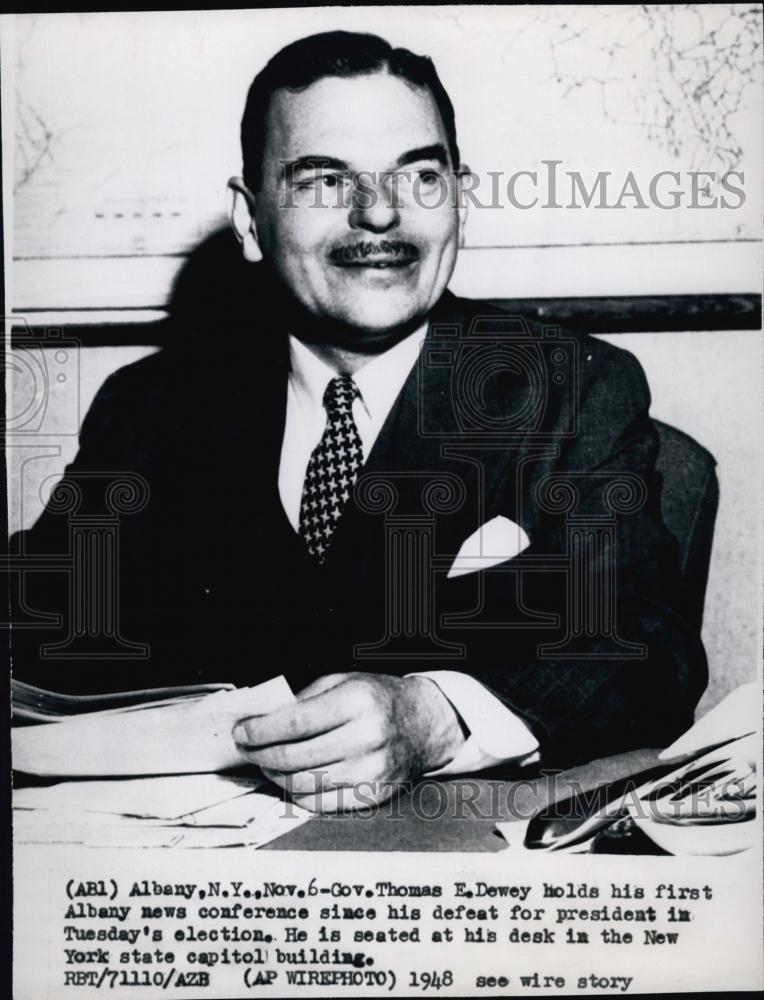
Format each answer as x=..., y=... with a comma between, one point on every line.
x=377, y=263
x=385, y=254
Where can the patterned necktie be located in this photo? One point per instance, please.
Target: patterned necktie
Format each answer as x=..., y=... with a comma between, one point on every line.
x=332, y=468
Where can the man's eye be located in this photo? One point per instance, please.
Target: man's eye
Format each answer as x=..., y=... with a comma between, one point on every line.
x=429, y=176
x=329, y=181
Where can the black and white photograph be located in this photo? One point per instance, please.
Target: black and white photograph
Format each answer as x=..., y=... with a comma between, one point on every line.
x=385, y=398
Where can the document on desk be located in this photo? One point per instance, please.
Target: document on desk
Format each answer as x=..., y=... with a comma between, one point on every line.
x=735, y=716
x=190, y=736
x=190, y=810
x=699, y=798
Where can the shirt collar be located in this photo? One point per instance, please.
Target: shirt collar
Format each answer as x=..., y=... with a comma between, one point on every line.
x=308, y=374
x=379, y=381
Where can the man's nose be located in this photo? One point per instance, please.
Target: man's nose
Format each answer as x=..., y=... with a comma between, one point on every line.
x=373, y=205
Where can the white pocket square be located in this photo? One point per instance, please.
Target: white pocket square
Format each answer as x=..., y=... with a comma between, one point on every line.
x=494, y=542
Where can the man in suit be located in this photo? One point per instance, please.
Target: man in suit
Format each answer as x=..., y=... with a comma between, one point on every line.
x=440, y=522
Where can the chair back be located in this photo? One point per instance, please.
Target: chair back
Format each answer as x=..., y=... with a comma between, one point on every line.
x=689, y=503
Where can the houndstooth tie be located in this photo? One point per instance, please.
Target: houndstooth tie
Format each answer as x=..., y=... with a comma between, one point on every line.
x=332, y=468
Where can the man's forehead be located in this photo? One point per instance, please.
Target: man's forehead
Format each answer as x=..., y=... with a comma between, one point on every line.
x=353, y=118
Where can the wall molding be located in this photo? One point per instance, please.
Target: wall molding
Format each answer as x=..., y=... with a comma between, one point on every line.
x=611, y=314
x=721, y=267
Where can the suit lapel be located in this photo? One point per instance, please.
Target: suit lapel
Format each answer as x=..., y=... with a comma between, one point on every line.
x=421, y=445
x=243, y=430
x=424, y=461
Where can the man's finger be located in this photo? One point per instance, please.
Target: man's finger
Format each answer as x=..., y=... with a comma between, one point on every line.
x=364, y=772
x=364, y=796
x=349, y=740
x=321, y=684
x=277, y=777
x=297, y=721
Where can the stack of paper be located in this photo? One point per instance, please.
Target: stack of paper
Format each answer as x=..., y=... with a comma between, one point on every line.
x=703, y=801
x=179, y=737
x=204, y=810
x=186, y=736
x=735, y=716
x=32, y=704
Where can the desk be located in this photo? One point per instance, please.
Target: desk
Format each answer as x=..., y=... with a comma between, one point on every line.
x=44, y=875
x=447, y=815
x=457, y=814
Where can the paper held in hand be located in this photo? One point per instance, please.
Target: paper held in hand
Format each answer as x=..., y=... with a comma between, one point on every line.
x=190, y=735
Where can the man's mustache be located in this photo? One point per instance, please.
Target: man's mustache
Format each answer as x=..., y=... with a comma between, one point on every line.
x=368, y=249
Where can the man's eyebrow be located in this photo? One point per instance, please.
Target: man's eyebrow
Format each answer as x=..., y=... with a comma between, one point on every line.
x=437, y=151
x=291, y=167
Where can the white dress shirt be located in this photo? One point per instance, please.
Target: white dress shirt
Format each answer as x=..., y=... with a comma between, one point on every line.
x=496, y=734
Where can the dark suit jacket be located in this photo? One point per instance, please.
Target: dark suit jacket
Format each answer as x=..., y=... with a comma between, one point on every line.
x=584, y=635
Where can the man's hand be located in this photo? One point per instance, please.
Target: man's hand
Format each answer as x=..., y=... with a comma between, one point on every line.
x=350, y=738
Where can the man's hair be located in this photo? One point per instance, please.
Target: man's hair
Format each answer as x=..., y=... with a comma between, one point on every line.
x=333, y=53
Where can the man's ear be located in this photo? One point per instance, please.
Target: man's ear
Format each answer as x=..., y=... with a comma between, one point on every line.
x=242, y=216
x=463, y=175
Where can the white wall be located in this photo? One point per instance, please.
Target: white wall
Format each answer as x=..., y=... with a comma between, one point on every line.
x=122, y=129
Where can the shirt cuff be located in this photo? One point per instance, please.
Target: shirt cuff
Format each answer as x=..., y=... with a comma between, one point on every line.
x=496, y=734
